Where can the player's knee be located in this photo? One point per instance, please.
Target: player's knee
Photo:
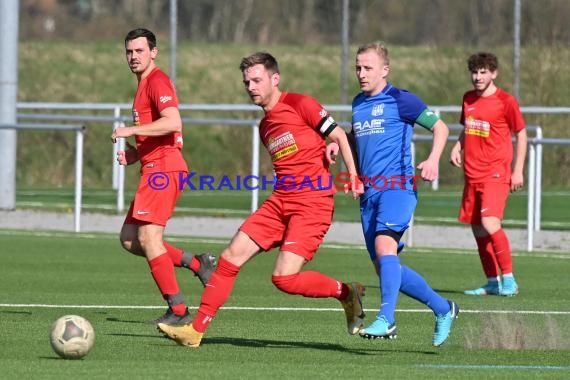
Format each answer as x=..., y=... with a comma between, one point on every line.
x=287, y=284
x=132, y=246
x=490, y=225
x=126, y=243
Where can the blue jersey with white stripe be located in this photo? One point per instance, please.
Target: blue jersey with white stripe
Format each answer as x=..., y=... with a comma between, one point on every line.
x=382, y=125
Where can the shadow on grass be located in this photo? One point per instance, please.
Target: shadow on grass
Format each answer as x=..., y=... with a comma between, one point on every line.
x=277, y=344
x=15, y=312
x=115, y=319
x=449, y=291
x=270, y=343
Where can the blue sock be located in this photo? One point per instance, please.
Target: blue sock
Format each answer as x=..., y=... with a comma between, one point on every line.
x=390, y=279
x=415, y=286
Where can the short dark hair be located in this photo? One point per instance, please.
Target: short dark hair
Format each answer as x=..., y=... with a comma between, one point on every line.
x=260, y=58
x=483, y=60
x=141, y=32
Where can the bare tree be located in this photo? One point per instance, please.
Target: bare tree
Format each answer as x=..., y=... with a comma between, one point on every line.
x=247, y=6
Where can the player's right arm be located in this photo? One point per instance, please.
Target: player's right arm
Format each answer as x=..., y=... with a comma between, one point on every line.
x=168, y=122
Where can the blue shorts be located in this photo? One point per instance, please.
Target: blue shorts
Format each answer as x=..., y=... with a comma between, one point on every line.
x=386, y=210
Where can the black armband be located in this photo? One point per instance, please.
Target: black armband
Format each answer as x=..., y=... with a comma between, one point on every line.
x=327, y=125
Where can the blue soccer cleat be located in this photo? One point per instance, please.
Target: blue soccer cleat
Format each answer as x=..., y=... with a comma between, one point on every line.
x=380, y=328
x=509, y=288
x=443, y=324
x=490, y=288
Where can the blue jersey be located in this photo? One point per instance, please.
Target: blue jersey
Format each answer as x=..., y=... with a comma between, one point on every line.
x=383, y=126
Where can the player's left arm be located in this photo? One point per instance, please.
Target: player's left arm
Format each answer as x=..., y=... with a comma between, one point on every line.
x=430, y=167
x=517, y=176
x=168, y=122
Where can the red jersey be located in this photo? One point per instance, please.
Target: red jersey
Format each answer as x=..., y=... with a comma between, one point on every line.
x=489, y=123
x=157, y=153
x=291, y=132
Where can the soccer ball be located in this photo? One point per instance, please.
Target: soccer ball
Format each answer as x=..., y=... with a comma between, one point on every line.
x=72, y=337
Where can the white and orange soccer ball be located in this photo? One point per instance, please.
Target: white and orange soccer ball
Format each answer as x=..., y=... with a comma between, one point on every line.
x=72, y=337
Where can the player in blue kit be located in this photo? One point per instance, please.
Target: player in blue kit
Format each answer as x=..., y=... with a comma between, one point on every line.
x=383, y=118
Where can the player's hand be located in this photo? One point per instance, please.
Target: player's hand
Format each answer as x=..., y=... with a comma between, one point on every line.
x=356, y=185
x=455, y=157
x=121, y=132
x=128, y=156
x=429, y=170
x=331, y=152
x=517, y=181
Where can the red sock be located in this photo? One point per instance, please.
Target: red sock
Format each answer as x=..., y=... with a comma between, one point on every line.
x=162, y=271
x=174, y=253
x=194, y=264
x=215, y=294
x=487, y=256
x=311, y=284
x=502, y=251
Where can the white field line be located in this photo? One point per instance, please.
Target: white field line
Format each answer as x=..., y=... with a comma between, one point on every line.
x=515, y=222
x=344, y=249
x=227, y=211
x=103, y=192
x=92, y=206
x=107, y=193
x=261, y=308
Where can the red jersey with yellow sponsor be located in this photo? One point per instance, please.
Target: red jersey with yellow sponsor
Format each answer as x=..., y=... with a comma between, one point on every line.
x=292, y=132
x=489, y=122
x=157, y=153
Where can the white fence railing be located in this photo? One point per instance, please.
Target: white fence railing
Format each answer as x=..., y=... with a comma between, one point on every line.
x=79, y=132
x=117, y=118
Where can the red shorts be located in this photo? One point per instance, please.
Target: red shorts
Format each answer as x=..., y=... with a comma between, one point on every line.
x=155, y=199
x=483, y=199
x=294, y=225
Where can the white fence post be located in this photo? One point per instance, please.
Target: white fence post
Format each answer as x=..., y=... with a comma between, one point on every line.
x=116, y=124
x=538, y=181
x=120, y=145
x=530, y=198
x=78, y=177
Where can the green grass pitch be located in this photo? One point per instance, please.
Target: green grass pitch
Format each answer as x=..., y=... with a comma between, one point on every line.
x=262, y=333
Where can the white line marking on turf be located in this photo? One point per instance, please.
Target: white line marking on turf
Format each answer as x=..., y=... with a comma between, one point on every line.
x=348, y=248
x=489, y=366
x=262, y=308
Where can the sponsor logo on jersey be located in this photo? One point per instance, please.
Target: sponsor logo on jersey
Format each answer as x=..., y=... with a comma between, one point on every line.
x=476, y=127
x=165, y=98
x=282, y=145
x=378, y=109
x=374, y=126
x=323, y=113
